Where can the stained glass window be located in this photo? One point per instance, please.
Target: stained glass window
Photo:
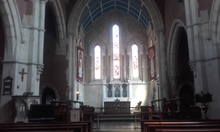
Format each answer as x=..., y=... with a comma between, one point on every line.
x=116, y=55
x=135, y=61
x=97, y=63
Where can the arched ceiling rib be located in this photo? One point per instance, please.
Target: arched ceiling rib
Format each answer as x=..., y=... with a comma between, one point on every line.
x=96, y=8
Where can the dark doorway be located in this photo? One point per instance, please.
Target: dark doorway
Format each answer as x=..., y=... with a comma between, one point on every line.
x=48, y=95
x=184, y=72
x=186, y=96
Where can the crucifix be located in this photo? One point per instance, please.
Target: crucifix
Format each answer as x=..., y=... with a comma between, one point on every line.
x=22, y=74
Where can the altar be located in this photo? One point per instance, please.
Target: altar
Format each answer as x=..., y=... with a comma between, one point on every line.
x=117, y=107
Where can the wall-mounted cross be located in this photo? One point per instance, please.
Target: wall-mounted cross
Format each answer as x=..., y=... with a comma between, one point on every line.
x=22, y=74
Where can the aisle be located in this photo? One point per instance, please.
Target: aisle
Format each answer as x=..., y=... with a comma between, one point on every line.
x=117, y=126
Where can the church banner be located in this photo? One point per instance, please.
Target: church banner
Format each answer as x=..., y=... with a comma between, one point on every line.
x=79, y=64
x=151, y=62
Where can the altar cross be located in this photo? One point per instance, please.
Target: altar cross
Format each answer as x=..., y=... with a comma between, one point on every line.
x=22, y=74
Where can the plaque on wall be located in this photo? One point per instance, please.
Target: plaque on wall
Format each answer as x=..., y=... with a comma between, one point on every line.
x=7, y=86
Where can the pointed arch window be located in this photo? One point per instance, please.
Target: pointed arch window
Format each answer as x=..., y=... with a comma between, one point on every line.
x=135, y=61
x=97, y=62
x=116, y=55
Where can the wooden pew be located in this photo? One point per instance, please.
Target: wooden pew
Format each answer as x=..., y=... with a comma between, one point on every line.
x=40, y=128
x=76, y=126
x=154, y=126
x=189, y=130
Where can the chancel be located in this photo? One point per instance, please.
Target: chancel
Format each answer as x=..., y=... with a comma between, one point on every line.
x=109, y=65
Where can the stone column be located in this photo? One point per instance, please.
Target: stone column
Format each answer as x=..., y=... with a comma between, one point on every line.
x=110, y=68
x=173, y=81
x=104, y=87
x=71, y=80
x=41, y=31
x=124, y=67
x=142, y=67
x=146, y=69
x=194, y=27
x=129, y=65
x=121, y=90
x=129, y=87
x=161, y=66
x=74, y=65
x=90, y=68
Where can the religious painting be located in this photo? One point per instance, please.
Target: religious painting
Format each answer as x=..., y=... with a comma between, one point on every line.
x=151, y=62
x=79, y=64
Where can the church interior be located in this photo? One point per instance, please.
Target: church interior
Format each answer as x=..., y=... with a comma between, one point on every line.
x=110, y=65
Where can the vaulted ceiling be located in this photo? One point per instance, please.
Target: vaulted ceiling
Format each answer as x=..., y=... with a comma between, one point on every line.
x=96, y=8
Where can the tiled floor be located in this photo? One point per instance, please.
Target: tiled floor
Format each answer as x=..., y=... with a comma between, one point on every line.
x=118, y=126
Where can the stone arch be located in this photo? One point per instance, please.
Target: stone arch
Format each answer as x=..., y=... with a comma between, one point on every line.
x=173, y=53
x=116, y=21
x=136, y=41
x=13, y=28
x=214, y=26
x=175, y=32
x=156, y=21
x=121, y=33
x=97, y=41
x=47, y=85
x=61, y=26
x=103, y=46
x=79, y=6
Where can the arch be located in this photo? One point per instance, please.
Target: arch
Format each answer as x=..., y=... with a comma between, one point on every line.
x=46, y=85
x=13, y=28
x=136, y=41
x=60, y=24
x=157, y=22
x=214, y=26
x=97, y=41
x=173, y=41
x=117, y=22
x=184, y=87
x=74, y=20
